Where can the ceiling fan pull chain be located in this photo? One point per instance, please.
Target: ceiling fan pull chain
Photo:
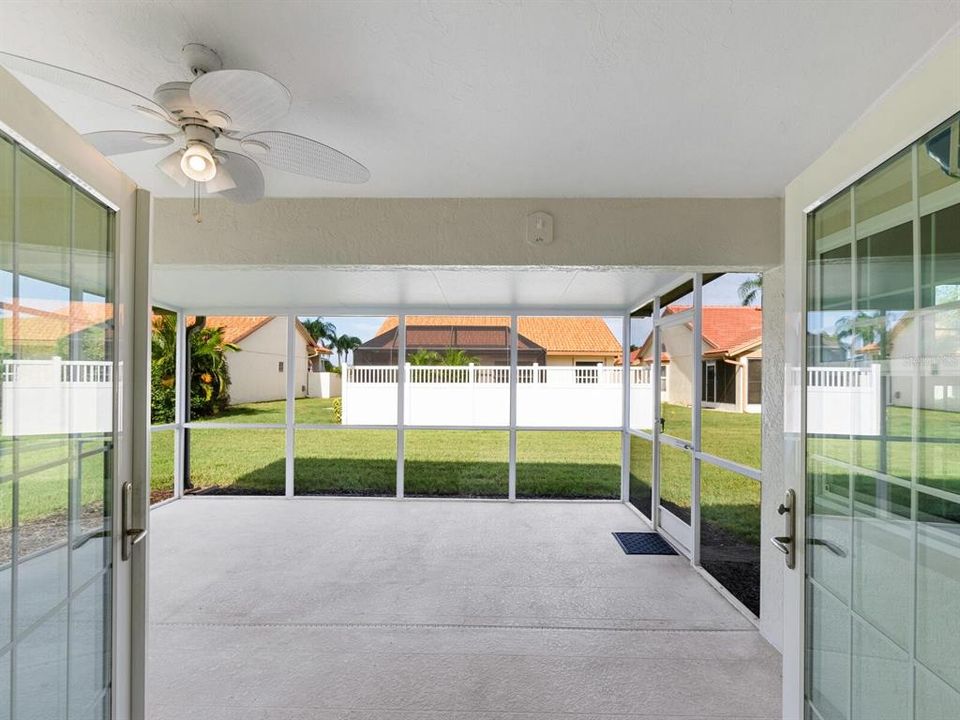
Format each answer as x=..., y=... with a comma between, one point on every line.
x=196, y=203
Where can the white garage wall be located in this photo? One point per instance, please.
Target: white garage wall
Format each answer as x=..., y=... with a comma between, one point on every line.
x=254, y=370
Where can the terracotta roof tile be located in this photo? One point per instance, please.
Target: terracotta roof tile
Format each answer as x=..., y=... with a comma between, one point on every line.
x=728, y=327
x=558, y=335
x=238, y=327
x=36, y=325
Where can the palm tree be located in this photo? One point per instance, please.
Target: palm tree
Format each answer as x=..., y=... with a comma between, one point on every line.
x=321, y=330
x=163, y=349
x=457, y=357
x=211, y=376
x=751, y=290
x=864, y=328
x=163, y=369
x=344, y=345
x=424, y=357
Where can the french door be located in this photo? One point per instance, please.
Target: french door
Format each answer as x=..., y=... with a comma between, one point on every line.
x=880, y=561
x=66, y=327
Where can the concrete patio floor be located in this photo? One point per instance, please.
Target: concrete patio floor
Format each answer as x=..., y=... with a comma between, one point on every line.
x=329, y=609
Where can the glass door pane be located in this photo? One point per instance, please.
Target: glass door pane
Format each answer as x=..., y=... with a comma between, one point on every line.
x=56, y=444
x=882, y=442
x=675, y=339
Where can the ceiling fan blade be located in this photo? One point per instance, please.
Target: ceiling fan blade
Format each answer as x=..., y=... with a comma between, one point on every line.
x=303, y=156
x=223, y=180
x=119, y=142
x=89, y=86
x=243, y=98
x=170, y=166
x=246, y=175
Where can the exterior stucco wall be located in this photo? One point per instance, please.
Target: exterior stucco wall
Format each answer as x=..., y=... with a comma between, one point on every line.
x=254, y=370
x=678, y=343
x=572, y=360
x=772, y=485
x=683, y=233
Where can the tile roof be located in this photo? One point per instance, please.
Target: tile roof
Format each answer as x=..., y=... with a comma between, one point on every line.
x=235, y=327
x=238, y=327
x=728, y=327
x=558, y=335
x=35, y=325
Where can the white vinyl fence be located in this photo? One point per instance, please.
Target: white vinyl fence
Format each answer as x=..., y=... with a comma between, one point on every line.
x=478, y=395
x=323, y=384
x=43, y=397
x=844, y=400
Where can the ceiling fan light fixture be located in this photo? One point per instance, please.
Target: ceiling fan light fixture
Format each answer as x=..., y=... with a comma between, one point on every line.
x=197, y=163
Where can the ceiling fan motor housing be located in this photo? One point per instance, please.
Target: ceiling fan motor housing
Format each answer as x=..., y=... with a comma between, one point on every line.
x=174, y=97
x=200, y=133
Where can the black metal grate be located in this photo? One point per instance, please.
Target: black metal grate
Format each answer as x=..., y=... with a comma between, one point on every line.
x=643, y=543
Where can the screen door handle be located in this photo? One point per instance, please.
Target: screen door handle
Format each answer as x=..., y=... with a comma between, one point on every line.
x=785, y=543
x=131, y=535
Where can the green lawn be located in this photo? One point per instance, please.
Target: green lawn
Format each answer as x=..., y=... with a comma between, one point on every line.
x=474, y=463
x=307, y=411
x=45, y=493
x=728, y=500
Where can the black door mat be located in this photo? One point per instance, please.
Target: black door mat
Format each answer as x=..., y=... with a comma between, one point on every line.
x=643, y=543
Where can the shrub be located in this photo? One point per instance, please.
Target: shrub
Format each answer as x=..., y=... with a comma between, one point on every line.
x=338, y=410
x=163, y=399
x=210, y=382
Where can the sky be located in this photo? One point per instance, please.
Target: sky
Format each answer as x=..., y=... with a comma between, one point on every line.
x=722, y=291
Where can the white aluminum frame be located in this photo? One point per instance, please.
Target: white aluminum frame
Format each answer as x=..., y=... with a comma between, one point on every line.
x=290, y=426
x=126, y=596
x=179, y=412
x=657, y=439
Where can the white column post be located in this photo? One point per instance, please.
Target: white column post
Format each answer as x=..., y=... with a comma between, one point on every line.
x=625, y=434
x=401, y=395
x=514, y=371
x=697, y=409
x=344, y=391
x=179, y=412
x=291, y=384
x=472, y=380
x=655, y=399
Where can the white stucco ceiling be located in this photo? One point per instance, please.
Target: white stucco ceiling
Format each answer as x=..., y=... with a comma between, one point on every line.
x=511, y=99
x=347, y=290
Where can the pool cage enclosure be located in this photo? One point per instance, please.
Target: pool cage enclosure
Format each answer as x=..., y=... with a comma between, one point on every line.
x=643, y=438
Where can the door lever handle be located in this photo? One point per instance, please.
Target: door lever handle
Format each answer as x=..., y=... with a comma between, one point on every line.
x=785, y=543
x=130, y=535
x=829, y=545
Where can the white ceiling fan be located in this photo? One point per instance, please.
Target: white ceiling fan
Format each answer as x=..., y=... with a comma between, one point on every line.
x=216, y=121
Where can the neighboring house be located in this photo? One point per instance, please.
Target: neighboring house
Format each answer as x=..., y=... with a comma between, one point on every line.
x=934, y=382
x=257, y=370
x=732, y=358
x=551, y=341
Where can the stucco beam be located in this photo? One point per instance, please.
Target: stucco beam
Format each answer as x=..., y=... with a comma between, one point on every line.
x=741, y=233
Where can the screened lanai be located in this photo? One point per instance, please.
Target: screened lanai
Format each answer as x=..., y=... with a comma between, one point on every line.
x=530, y=402
x=488, y=453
